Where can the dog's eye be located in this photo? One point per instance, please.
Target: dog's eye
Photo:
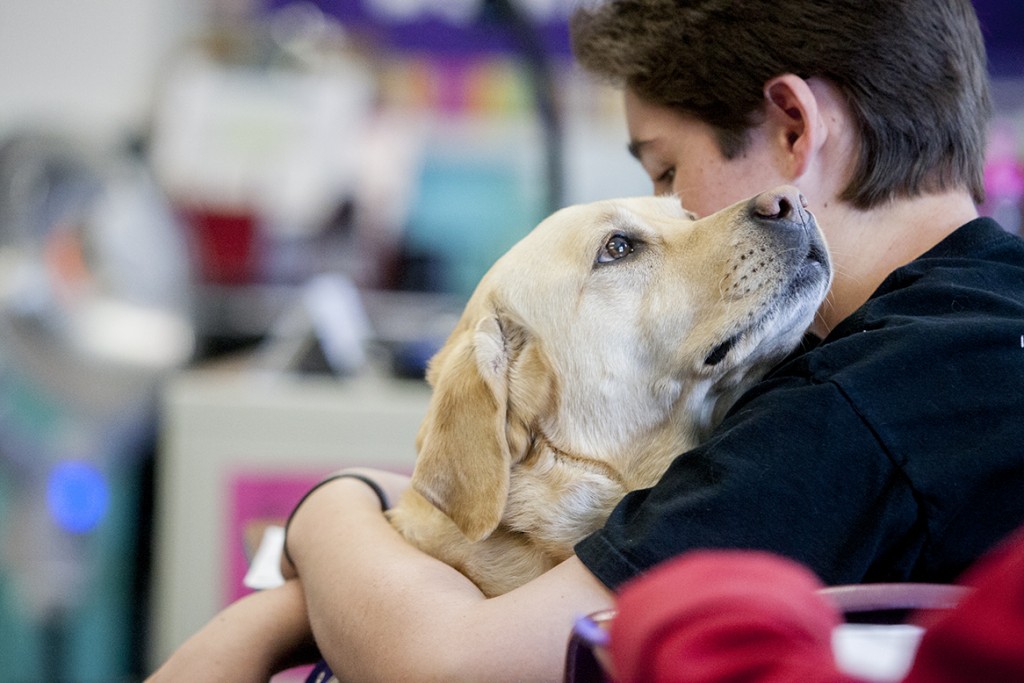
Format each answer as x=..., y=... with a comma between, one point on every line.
x=617, y=246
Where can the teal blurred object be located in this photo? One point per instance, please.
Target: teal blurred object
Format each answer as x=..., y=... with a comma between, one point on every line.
x=468, y=212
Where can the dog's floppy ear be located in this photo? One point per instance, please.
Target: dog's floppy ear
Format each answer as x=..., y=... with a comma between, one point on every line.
x=464, y=460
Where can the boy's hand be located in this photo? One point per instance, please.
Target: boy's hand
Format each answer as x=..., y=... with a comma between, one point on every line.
x=250, y=640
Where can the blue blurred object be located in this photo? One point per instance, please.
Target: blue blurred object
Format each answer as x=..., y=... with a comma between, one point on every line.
x=410, y=360
x=78, y=496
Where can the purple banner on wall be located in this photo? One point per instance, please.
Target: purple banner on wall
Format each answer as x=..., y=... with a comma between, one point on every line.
x=1002, y=23
x=492, y=30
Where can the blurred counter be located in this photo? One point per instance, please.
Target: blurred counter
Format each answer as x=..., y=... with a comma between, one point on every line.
x=238, y=447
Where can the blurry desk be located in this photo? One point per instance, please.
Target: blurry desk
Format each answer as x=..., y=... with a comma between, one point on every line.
x=223, y=425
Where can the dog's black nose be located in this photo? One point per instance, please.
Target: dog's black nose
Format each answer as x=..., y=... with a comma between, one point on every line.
x=782, y=203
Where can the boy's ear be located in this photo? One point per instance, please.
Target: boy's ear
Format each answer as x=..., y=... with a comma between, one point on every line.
x=793, y=114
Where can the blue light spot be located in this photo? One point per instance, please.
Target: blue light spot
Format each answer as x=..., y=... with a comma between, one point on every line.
x=77, y=496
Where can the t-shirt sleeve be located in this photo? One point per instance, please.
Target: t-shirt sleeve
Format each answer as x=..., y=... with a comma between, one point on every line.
x=792, y=470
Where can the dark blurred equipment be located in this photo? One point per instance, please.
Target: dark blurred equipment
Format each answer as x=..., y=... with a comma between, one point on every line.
x=509, y=15
x=94, y=312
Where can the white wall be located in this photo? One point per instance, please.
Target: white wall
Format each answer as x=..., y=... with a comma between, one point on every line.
x=88, y=66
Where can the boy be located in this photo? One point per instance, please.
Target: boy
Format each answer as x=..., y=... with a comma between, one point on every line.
x=888, y=450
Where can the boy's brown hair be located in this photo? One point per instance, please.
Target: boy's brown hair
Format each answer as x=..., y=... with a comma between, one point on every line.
x=913, y=73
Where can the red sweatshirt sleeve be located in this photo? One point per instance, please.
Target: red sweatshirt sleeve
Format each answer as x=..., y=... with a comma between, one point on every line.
x=983, y=638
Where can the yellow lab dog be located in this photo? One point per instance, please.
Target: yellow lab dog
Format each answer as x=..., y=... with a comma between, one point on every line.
x=609, y=340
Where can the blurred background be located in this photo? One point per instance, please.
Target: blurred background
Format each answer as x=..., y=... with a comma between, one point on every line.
x=231, y=234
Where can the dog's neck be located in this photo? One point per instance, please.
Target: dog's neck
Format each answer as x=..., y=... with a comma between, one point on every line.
x=592, y=464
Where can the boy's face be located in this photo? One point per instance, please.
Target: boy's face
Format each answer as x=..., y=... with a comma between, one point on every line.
x=681, y=156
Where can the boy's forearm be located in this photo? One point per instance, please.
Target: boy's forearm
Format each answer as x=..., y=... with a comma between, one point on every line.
x=382, y=610
x=249, y=640
x=355, y=569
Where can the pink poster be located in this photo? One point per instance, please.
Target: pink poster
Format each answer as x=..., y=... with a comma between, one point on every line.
x=258, y=499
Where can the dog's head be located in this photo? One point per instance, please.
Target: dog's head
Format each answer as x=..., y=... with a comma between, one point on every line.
x=612, y=329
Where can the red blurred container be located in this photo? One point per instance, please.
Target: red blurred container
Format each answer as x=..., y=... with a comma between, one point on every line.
x=225, y=244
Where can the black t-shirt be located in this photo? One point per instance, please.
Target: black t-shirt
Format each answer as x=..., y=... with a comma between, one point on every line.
x=891, y=451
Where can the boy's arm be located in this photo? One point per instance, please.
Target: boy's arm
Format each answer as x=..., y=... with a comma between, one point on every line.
x=382, y=610
x=248, y=641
